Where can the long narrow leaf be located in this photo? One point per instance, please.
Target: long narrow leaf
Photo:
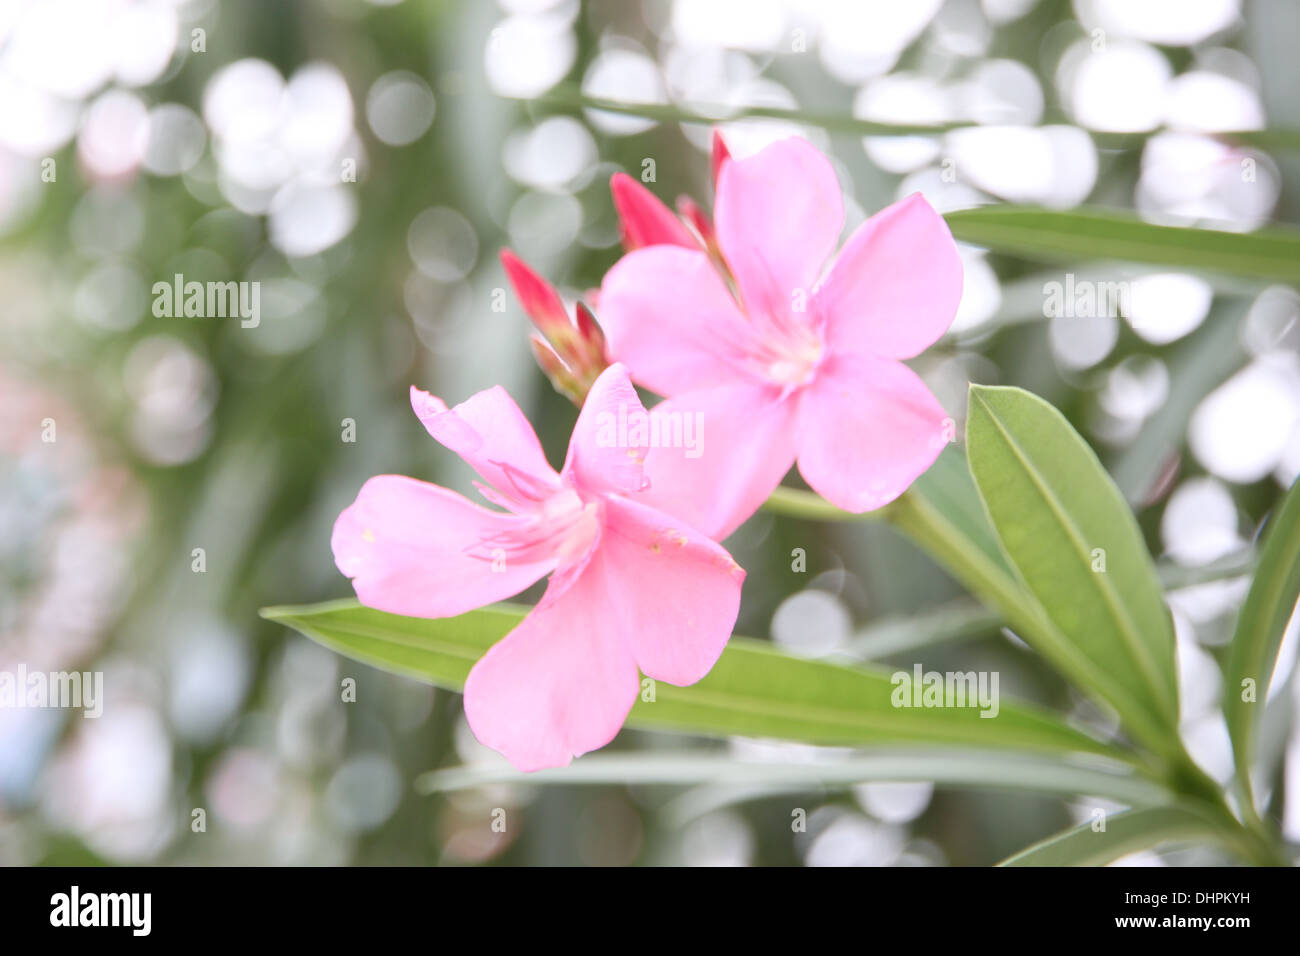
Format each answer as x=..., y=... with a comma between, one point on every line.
x=1263, y=620
x=1125, y=833
x=753, y=690
x=1104, y=234
x=990, y=770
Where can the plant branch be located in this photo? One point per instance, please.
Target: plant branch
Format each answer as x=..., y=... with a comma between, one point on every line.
x=569, y=97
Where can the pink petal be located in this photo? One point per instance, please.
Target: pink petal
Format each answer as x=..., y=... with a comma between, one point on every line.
x=676, y=593
x=670, y=318
x=778, y=216
x=490, y=432
x=558, y=685
x=744, y=444
x=646, y=221
x=868, y=427
x=895, y=286
x=417, y=549
x=603, y=456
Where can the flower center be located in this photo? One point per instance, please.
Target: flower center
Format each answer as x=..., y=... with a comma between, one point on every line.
x=788, y=351
x=571, y=524
x=562, y=526
x=796, y=366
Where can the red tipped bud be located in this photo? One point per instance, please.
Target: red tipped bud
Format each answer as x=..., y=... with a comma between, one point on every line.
x=644, y=219
x=539, y=299
x=590, y=333
x=721, y=155
x=699, y=220
x=571, y=354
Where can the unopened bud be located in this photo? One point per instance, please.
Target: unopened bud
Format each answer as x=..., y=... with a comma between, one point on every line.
x=643, y=218
x=571, y=353
x=591, y=335
x=697, y=218
x=555, y=369
x=719, y=157
x=539, y=299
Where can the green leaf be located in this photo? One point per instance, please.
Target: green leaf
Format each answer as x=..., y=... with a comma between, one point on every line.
x=1104, y=234
x=988, y=770
x=1260, y=626
x=1078, y=549
x=753, y=690
x=1125, y=833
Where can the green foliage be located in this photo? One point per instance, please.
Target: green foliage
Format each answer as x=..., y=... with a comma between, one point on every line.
x=1124, y=833
x=754, y=689
x=1260, y=628
x=1079, y=551
x=974, y=768
x=1082, y=234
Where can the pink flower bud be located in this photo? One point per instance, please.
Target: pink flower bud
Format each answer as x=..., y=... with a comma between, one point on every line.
x=720, y=156
x=539, y=299
x=571, y=353
x=644, y=219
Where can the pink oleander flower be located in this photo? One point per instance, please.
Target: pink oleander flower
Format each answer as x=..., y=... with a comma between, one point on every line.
x=785, y=353
x=630, y=586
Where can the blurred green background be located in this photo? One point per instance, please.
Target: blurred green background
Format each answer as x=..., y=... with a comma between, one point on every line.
x=364, y=162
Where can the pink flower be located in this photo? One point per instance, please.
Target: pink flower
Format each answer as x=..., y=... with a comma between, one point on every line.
x=785, y=356
x=630, y=587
